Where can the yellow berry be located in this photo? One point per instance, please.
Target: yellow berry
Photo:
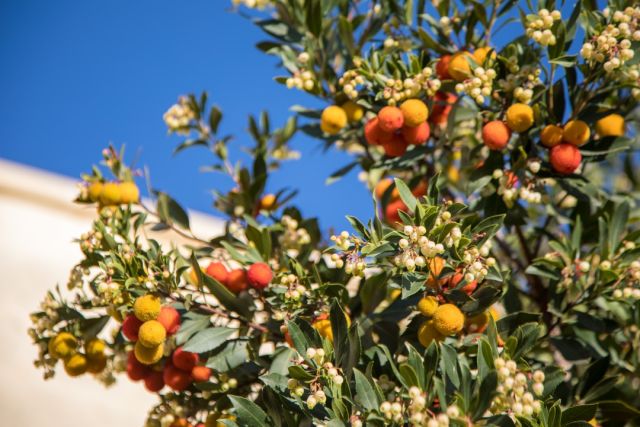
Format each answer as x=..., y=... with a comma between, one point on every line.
x=129, y=192
x=480, y=54
x=415, y=112
x=428, y=305
x=75, y=365
x=94, y=348
x=146, y=355
x=448, y=319
x=333, y=119
x=551, y=136
x=95, y=365
x=62, y=345
x=353, y=111
x=428, y=332
x=459, y=67
x=268, y=202
x=147, y=307
x=576, y=132
x=151, y=334
x=519, y=117
x=611, y=125
x=110, y=194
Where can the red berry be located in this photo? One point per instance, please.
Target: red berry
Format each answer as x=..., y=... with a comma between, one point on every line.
x=495, y=135
x=154, y=382
x=416, y=135
x=175, y=378
x=170, y=319
x=565, y=158
x=259, y=275
x=136, y=371
x=218, y=271
x=184, y=360
x=237, y=281
x=130, y=326
x=200, y=373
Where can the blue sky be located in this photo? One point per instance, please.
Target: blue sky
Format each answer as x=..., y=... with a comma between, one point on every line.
x=77, y=76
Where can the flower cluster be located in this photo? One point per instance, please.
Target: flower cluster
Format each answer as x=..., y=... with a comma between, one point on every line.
x=522, y=83
x=350, y=81
x=416, y=246
x=179, y=116
x=612, y=46
x=294, y=236
x=303, y=79
x=416, y=411
x=479, y=86
x=539, y=27
x=397, y=90
x=515, y=391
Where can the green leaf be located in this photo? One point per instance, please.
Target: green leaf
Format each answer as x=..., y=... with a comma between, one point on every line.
x=405, y=194
x=365, y=393
x=208, y=339
x=248, y=413
x=214, y=119
x=170, y=212
x=579, y=413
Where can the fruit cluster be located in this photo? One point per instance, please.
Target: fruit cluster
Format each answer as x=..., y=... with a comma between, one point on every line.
x=111, y=193
x=258, y=276
x=64, y=346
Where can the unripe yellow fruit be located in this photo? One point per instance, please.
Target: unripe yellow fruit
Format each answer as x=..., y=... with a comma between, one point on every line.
x=551, y=136
x=146, y=355
x=448, y=319
x=519, y=117
x=151, y=334
x=353, y=111
x=480, y=54
x=415, y=112
x=129, y=192
x=268, y=202
x=147, y=307
x=428, y=332
x=611, y=125
x=576, y=132
x=428, y=306
x=95, y=365
x=323, y=326
x=62, y=345
x=459, y=67
x=110, y=194
x=333, y=119
x=95, y=348
x=75, y=365
x=95, y=188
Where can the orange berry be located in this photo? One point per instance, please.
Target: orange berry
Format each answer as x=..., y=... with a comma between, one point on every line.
x=259, y=275
x=495, y=135
x=396, y=147
x=551, y=136
x=390, y=119
x=480, y=54
x=459, y=66
x=382, y=186
x=611, y=125
x=416, y=135
x=200, y=373
x=436, y=264
x=565, y=158
x=169, y=317
x=442, y=67
x=442, y=107
x=175, y=378
x=519, y=117
x=415, y=112
x=391, y=211
x=184, y=360
x=237, y=280
x=218, y=271
x=576, y=132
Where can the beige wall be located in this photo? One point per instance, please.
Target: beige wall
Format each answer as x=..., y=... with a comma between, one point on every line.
x=37, y=225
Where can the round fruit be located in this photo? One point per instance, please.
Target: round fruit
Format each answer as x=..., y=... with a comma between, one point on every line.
x=146, y=355
x=130, y=327
x=459, y=66
x=176, y=378
x=480, y=54
x=62, y=345
x=495, y=135
x=427, y=306
x=169, y=317
x=147, y=307
x=184, y=360
x=436, y=264
x=151, y=334
x=414, y=111
x=467, y=288
x=416, y=135
x=136, y=370
x=110, y=194
x=382, y=186
x=448, y=319
x=576, y=132
x=154, y=381
x=442, y=67
x=551, y=136
x=259, y=275
x=390, y=119
x=268, y=202
x=442, y=107
x=94, y=190
x=611, y=125
x=237, y=280
x=75, y=365
x=96, y=364
x=95, y=348
x=391, y=211
x=427, y=333
x=374, y=134
x=565, y=158
x=200, y=373
x=519, y=117
x=129, y=192
x=396, y=147
x=353, y=111
x=218, y=271
x=333, y=119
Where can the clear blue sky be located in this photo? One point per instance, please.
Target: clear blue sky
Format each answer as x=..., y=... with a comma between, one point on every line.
x=77, y=75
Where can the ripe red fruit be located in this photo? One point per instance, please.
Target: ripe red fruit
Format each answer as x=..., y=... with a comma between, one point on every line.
x=442, y=107
x=565, y=158
x=457, y=278
x=130, y=326
x=218, y=271
x=184, y=360
x=416, y=135
x=170, y=319
x=154, y=382
x=259, y=275
x=495, y=135
x=136, y=371
x=175, y=378
x=390, y=119
x=442, y=67
x=237, y=281
x=200, y=373
x=391, y=211
x=396, y=147
x=373, y=134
